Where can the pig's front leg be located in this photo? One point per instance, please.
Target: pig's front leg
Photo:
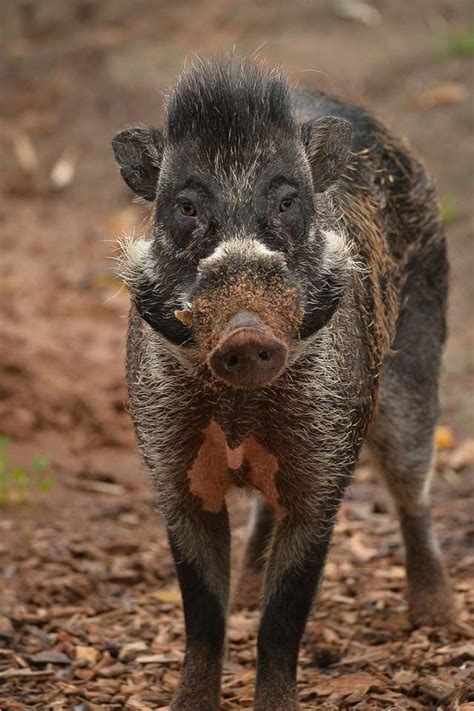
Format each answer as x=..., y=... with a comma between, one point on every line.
x=294, y=570
x=200, y=544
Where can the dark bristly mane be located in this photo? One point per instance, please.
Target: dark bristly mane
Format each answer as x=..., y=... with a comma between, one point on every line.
x=228, y=100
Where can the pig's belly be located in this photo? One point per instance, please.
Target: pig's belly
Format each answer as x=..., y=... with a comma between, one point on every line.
x=217, y=468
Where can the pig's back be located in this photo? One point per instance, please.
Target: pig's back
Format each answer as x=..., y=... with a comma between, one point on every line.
x=317, y=105
x=384, y=171
x=387, y=203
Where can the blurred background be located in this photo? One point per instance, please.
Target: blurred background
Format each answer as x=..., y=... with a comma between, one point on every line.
x=87, y=572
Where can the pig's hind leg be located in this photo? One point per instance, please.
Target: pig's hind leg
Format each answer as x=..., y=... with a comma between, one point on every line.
x=249, y=585
x=402, y=440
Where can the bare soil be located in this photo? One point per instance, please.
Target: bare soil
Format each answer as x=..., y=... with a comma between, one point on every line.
x=90, y=612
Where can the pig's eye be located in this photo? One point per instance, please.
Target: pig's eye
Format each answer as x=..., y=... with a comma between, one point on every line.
x=286, y=204
x=187, y=209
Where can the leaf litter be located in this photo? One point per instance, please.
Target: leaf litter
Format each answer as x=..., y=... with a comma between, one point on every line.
x=91, y=615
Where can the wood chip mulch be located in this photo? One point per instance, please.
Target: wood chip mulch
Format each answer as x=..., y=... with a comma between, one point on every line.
x=91, y=617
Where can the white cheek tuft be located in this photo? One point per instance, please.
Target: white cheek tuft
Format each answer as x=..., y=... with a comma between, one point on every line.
x=335, y=241
x=338, y=252
x=134, y=260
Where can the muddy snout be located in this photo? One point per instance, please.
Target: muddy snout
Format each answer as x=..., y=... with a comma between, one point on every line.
x=248, y=355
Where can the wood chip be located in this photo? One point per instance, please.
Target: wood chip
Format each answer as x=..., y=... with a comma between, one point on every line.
x=26, y=674
x=100, y=487
x=344, y=685
x=6, y=629
x=89, y=655
x=129, y=651
x=437, y=689
x=155, y=659
x=49, y=658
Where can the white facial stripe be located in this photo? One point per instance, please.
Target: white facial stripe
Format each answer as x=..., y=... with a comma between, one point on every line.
x=248, y=247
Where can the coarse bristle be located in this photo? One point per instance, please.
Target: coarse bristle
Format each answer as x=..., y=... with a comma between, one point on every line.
x=228, y=100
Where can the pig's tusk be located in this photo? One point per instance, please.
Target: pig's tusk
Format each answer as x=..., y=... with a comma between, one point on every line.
x=186, y=317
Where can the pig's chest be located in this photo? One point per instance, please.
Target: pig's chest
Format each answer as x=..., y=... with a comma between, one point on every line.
x=218, y=468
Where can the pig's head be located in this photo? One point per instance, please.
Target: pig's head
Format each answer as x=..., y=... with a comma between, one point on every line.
x=244, y=266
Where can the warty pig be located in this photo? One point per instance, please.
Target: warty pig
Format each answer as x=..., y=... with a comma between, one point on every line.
x=288, y=304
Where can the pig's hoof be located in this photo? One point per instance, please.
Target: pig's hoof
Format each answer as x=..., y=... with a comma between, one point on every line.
x=183, y=702
x=192, y=699
x=273, y=705
x=276, y=697
x=434, y=608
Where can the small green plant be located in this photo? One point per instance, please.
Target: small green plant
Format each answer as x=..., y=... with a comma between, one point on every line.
x=458, y=43
x=17, y=484
x=448, y=209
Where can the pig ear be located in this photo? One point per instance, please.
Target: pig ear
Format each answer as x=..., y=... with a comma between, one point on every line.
x=139, y=152
x=327, y=142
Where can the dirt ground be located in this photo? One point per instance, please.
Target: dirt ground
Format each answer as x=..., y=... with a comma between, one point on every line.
x=90, y=612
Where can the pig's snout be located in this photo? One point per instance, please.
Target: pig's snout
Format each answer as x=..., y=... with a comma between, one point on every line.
x=248, y=354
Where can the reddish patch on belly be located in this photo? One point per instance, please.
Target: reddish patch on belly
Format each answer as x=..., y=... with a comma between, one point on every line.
x=207, y=476
x=210, y=476
x=263, y=470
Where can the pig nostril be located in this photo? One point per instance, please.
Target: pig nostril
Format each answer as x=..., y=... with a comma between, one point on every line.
x=248, y=357
x=231, y=362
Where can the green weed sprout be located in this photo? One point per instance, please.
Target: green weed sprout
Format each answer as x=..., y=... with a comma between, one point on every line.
x=458, y=43
x=448, y=209
x=19, y=485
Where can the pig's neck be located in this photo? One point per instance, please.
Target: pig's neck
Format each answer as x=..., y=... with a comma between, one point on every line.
x=238, y=414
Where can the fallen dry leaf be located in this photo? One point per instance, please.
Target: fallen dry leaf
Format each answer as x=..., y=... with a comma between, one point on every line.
x=443, y=94
x=63, y=171
x=444, y=437
x=360, y=550
x=171, y=596
x=358, y=11
x=25, y=152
